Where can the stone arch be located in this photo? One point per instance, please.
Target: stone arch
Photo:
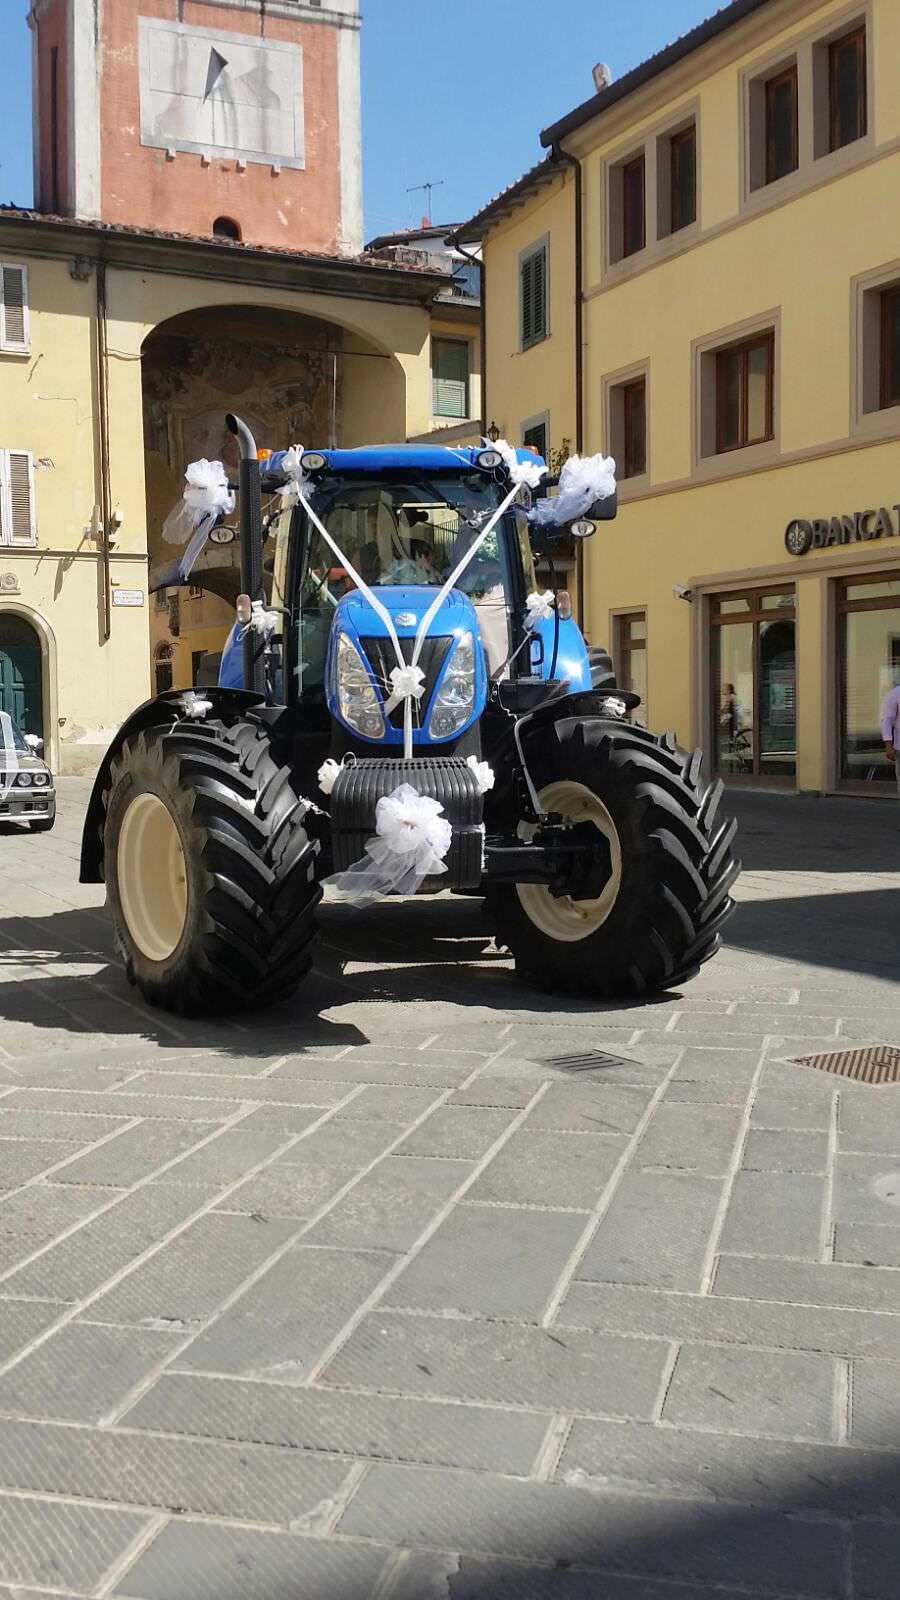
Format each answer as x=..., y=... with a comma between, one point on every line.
x=49, y=697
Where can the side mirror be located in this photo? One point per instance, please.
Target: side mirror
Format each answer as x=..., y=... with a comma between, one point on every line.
x=603, y=510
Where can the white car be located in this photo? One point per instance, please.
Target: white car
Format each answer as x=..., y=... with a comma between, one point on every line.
x=26, y=783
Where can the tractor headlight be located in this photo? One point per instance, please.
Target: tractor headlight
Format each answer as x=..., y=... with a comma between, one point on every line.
x=358, y=703
x=456, y=696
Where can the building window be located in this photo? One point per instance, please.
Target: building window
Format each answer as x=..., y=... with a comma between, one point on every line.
x=534, y=437
x=869, y=666
x=634, y=428
x=17, y=498
x=631, y=659
x=889, y=375
x=194, y=593
x=449, y=377
x=753, y=681
x=782, y=152
x=847, y=116
x=533, y=296
x=634, y=228
x=13, y=309
x=160, y=600
x=226, y=228
x=682, y=207
x=744, y=405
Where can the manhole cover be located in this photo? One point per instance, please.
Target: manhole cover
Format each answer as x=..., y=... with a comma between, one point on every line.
x=871, y=1063
x=583, y=1061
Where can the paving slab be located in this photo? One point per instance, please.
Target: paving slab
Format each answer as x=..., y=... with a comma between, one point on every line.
x=781, y=1393
x=193, y=1561
x=545, y=1167
x=82, y=1371
x=70, y=1546
x=872, y=1244
x=657, y=1231
x=391, y=1205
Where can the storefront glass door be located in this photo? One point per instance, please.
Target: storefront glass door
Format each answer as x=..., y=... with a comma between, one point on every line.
x=753, y=684
x=869, y=642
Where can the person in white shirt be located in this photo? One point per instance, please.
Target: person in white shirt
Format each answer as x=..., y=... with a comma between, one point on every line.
x=890, y=730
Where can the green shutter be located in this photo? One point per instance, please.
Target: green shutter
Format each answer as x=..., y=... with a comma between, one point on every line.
x=450, y=378
x=534, y=296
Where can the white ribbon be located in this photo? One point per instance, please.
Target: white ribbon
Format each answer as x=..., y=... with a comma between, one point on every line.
x=206, y=498
x=10, y=754
x=195, y=705
x=407, y=683
x=484, y=773
x=538, y=607
x=261, y=621
x=527, y=473
x=583, y=480
x=412, y=837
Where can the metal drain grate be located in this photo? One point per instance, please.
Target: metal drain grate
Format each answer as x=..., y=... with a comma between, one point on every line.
x=871, y=1063
x=583, y=1061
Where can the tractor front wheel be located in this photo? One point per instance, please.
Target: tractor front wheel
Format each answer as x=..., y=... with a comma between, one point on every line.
x=658, y=916
x=210, y=874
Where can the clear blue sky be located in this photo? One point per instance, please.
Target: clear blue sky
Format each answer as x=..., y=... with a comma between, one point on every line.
x=457, y=91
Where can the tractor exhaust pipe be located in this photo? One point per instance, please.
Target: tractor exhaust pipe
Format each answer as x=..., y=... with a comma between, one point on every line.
x=251, y=548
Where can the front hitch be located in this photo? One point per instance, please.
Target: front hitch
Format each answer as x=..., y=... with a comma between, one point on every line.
x=573, y=861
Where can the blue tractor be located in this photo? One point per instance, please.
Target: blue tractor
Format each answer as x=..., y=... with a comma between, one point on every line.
x=597, y=847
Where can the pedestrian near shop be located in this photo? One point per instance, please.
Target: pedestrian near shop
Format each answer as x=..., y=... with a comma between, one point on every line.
x=890, y=730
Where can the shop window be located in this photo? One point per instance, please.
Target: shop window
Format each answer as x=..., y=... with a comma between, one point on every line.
x=533, y=296
x=630, y=647
x=744, y=393
x=449, y=377
x=774, y=128
x=869, y=666
x=847, y=109
x=677, y=180
x=753, y=684
x=17, y=524
x=14, y=338
x=627, y=207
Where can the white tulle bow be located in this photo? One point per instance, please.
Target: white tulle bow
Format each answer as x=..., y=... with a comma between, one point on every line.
x=583, y=480
x=407, y=683
x=538, y=607
x=195, y=705
x=292, y=466
x=261, y=621
x=206, y=498
x=528, y=473
x=412, y=837
x=484, y=773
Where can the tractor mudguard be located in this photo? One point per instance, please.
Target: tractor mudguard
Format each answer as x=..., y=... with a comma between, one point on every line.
x=158, y=712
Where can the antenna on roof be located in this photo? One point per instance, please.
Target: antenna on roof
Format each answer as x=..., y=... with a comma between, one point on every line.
x=416, y=187
x=602, y=76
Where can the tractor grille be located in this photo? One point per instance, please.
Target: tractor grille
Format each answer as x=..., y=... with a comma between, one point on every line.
x=382, y=659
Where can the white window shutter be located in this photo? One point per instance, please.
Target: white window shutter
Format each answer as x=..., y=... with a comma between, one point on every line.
x=16, y=497
x=13, y=308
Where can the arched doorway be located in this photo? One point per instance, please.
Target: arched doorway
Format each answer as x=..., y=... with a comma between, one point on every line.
x=21, y=673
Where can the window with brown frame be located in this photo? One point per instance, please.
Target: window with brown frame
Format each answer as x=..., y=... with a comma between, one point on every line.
x=745, y=393
x=847, y=109
x=682, y=179
x=782, y=144
x=889, y=374
x=634, y=230
x=634, y=428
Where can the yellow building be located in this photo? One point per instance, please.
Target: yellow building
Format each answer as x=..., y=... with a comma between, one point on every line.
x=717, y=293
x=120, y=353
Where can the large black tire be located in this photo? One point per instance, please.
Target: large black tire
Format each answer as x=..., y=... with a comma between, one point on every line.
x=242, y=863
x=673, y=867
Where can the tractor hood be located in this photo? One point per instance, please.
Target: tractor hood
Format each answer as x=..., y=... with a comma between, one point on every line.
x=362, y=656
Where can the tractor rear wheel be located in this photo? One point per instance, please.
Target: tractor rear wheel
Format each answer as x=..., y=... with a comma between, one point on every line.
x=658, y=916
x=210, y=873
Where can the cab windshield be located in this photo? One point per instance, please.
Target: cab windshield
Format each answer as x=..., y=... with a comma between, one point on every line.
x=410, y=534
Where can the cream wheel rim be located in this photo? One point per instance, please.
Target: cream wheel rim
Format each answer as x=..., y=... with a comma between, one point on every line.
x=152, y=877
x=562, y=918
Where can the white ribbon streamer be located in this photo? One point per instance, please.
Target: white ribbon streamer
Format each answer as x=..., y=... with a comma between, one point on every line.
x=412, y=837
x=583, y=480
x=261, y=621
x=195, y=705
x=538, y=608
x=10, y=755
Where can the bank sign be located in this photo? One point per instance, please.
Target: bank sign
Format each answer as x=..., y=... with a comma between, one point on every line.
x=801, y=535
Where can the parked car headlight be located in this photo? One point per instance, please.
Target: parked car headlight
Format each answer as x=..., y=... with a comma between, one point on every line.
x=40, y=779
x=24, y=780
x=456, y=696
x=358, y=702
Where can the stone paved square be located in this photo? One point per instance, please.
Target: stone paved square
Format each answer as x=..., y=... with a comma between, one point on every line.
x=363, y=1300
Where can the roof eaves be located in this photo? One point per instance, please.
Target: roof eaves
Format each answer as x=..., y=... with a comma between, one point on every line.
x=647, y=70
x=530, y=182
